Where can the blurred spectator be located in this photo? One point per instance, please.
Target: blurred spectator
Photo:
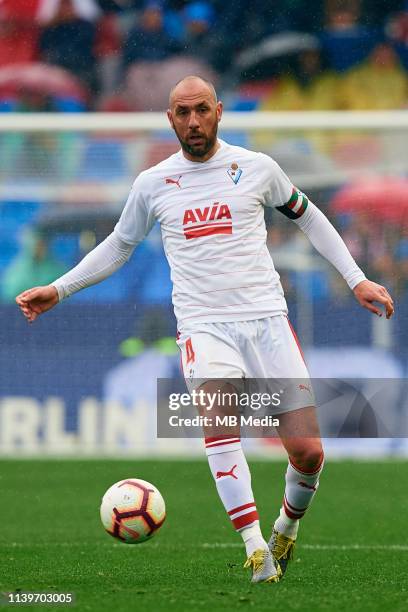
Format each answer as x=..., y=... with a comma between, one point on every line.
x=113, y=6
x=367, y=242
x=148, y=40
x=201, y=37
x=34, y=265
x=346, y=41
x=114, y=103
x=107, y=49
x=400, y=264
x=377, y=248
x=41, y=87
x=379, y=83
x=397, y=31
x=173, y=24
x=242, y=23
x=233, y=26
x=310, y=88
x=53, y=10
x=34, y=102
x=19, y=31
x=68, y=36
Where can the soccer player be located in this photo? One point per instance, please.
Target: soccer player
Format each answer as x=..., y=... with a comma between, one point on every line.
x=232, y=317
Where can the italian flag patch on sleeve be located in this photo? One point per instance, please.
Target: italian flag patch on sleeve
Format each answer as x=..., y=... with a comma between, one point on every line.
x=295, y=206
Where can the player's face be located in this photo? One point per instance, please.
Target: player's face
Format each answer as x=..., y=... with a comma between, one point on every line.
x=194, y=115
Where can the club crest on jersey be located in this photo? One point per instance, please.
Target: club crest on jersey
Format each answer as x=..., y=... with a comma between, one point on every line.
x=234, y=172
x=214, y=219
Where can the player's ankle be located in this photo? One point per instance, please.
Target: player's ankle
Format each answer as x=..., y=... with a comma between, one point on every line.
x=287, y=526
x=253, y=538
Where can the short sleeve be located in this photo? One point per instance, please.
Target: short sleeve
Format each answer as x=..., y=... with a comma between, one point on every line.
x=137, y=218
x=279, y=192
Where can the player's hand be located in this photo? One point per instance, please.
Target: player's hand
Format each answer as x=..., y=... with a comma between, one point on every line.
x=37, y=300
x=368, y=292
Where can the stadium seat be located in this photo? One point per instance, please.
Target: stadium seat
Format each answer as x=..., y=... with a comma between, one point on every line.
x=68, y=105
x=17, y=213
x=244, y=104
x=239, y=139
x=14, y=217
x=9, y=249
x=65, y=248
x=158, y=150
x=103, y=160
x=113, y=290
x=314, y=284
x=8, y=105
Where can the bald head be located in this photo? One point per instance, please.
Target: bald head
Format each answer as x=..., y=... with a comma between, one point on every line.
x=190, y=87
x=194, y=114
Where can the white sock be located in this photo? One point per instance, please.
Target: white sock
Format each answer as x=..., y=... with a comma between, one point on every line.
x=300, y=489
x=253, y=538
x=289, y=527
x=233, y=480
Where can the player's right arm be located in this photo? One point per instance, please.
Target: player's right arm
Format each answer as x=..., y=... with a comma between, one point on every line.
x=134, y=224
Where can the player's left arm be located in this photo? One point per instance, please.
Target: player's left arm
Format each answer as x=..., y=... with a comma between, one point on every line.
x=279, y=193
x=367, y=292
x=327, y=241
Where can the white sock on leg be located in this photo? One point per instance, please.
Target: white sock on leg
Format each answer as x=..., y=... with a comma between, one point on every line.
x=300, y=489
x=232, y=477
x=289, y=527
x=253, y=538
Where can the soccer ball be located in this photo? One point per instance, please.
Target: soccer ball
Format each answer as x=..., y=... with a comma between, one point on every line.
x=132, y=510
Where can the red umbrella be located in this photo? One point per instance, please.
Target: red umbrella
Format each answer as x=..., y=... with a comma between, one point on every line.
x=383, y=199
x=41, y=78
x=19, y=9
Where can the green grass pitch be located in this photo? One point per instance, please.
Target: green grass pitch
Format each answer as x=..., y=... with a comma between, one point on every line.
x=352, y=550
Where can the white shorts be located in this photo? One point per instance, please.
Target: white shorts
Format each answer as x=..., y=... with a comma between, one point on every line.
x=261, y=349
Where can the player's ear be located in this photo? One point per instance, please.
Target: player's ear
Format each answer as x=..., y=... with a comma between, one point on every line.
x=170, y=118
x=219, y=110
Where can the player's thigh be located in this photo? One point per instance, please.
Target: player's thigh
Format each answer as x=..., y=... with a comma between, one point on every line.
x=298, y=425
x=213, y=364
x=281, y=350
x=277, y=356
x=285, y=366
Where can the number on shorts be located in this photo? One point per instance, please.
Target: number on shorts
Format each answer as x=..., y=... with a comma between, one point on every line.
x=189, y=351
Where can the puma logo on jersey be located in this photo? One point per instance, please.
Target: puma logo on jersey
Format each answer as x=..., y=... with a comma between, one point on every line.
x=230, y=473
x=215, y=219
x=170, y=181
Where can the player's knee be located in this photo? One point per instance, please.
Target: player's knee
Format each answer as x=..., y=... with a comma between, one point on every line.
x=308, y=457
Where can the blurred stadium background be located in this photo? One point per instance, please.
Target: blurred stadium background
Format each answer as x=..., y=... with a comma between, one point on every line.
x=322, y=87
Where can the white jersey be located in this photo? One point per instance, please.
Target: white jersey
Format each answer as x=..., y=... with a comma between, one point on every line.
x=212, y=221
x=214, y=235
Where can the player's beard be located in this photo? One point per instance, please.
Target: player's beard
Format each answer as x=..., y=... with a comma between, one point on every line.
x=200, y=150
